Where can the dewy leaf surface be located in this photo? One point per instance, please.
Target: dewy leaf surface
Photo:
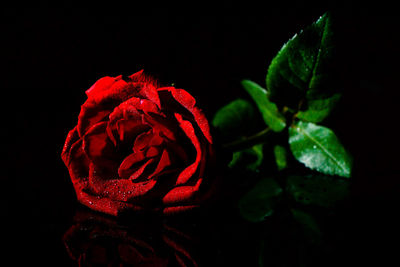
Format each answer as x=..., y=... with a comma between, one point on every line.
x=302, y=68
x=268, y=109
x=318, y=148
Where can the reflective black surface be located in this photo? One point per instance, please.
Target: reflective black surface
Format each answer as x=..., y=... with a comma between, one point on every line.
x=50, y=56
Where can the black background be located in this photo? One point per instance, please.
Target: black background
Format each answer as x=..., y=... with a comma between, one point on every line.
x=50, y=56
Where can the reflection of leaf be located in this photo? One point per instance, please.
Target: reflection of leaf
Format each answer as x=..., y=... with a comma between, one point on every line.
x=260, y=201
x=269, y=110
x=280, y=157
x=234, y=119
x=317, y=190
x=251, y=158
x=310, y=227
x=319, y=149
x=318, y=109
x=302, y=66
x=295, y=240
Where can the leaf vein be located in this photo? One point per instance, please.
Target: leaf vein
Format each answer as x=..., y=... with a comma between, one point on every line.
x=324, y=149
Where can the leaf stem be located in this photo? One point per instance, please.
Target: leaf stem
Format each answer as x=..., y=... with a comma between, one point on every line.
x=248, y=141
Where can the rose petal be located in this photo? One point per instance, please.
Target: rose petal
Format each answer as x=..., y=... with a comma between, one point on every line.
x=181, y=194
x=90, y=118
x=188, y=101
x=125, y=190
x=149, y=86
x=156, y=140
x=142, y=141
x=152, y=152
x=178, y=209
x=137, y=76
x=162, y=126
x=100, y=105
x=78, y=164
x=188, y=129
x=129, y=114
x=99, y=148
x=163, y=163
x=101, y=85
x=104, y=204
x=72, y=137
x=124, y=170
x=137, y=173
x=177, y=150
x=129, y=129
x=117, y=189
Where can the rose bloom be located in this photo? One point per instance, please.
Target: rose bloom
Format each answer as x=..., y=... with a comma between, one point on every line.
x=138, y=146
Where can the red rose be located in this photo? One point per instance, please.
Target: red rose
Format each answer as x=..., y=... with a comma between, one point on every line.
x=138, y=146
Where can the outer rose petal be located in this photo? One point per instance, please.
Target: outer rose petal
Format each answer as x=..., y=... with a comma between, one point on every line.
x=149, y=86
x=181, y=194
x=72, y=137
x=74, y=157
x=188, y=101
x=178, y=209
x=188, y=129
x=101, y=85
x=117, y=189
x=105, y=205
x=78, y=164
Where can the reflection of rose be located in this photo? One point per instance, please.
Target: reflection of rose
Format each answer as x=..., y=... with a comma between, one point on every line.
x=138, y=146
x=96, y=240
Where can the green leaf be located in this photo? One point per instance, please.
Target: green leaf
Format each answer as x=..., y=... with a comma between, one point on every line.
x=319, y=149
x=268, y=109
x=260, y=201
x=251, y=158
x=302, y=68
x=317, y=190
x=318, y=109
x=280, y=157
x=234, y=119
